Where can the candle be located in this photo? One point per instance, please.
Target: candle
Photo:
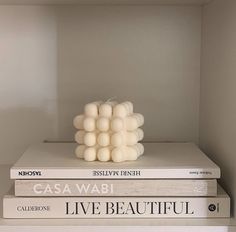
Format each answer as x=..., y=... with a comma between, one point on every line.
x=79, y=136
x=90, y=153
x=79, y=151
x=89, y=124
x=134, y=121
x=122, y=110
x=91, y=109
x=117, y=124
x=109, y=131
x=127, y=138
x=125, y=153
x=106, y=109
x=103, y=124
x=130, y=123
x=103, y=139
x=104, y=154
x=90, y=139
x=78, y=122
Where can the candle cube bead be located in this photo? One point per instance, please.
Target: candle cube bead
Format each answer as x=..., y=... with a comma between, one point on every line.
x=105, y=110
x=103, y=124
x=90, y=139
x=78, y=122
x=91, y=109
x=79, y=136
x=104, y=154
x=90, y=154
x=103, y=139
x=117, y=124
x=89, y=124
x=79, y=151
x=127, y=153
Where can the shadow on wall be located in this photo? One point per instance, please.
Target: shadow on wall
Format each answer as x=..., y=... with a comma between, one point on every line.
x=21, y=127
x=218, y=154
x=27, y=78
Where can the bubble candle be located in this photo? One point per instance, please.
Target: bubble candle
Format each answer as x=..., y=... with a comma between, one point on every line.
x=109, y=131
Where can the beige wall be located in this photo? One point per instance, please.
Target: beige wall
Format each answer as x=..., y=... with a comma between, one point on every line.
x=218, y=88
x=28, y=56
x=54, y=60
x=147, y=54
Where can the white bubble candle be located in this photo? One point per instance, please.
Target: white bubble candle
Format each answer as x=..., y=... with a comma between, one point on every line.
x=108, y=131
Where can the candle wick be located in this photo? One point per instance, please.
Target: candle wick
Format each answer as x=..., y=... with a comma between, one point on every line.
x=111, y=99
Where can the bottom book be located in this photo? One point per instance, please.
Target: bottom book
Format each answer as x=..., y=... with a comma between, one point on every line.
x=117, y=207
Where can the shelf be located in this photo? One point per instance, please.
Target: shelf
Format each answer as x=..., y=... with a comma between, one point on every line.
x=102, y=2
x=177, y=61
x=162, y=225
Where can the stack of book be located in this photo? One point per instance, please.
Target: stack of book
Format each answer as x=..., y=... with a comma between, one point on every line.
x=171, y=180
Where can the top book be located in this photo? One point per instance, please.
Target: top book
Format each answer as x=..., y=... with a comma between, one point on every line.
x=160, y=161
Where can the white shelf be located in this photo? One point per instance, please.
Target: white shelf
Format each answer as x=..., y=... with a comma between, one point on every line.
x=103, y=225
x=102, y=2
x=52, y=54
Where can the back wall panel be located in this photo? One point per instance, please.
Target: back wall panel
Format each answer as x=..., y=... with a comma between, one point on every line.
x=146, y=54
x=57, y=58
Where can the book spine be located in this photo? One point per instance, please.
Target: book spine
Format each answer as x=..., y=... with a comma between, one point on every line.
x=115, y=207
x=155, y=187
x=53, y=173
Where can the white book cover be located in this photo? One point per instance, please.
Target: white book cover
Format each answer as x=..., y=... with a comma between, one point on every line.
x=116, y=187
x=117, y=207
x=160, y=161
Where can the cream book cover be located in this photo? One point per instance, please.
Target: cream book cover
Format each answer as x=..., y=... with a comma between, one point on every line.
x=160, y=161
x=117, y=207
x=116, y=187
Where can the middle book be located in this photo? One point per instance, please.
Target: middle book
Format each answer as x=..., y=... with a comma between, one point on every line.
x=116, y=187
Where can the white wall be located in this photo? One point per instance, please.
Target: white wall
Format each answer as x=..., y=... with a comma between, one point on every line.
x=218, y=88
x=147, y=54
x=28, y=56
x=55, y=59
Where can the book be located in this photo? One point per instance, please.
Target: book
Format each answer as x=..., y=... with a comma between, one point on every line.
x=117, y=207
x=160, y=161
x=117, y=187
